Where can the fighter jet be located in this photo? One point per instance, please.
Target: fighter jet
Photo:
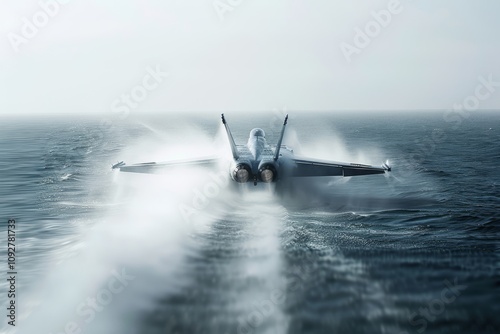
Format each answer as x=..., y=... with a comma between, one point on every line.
x=258, y=162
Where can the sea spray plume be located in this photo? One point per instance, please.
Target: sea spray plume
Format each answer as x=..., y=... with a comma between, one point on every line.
x=142, y=239
x=341, y=194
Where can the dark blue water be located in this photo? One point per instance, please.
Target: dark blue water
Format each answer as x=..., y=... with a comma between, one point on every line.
x=102, y=252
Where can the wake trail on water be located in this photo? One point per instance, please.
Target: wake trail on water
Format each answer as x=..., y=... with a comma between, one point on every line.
x=234, y=271
x=261, y=268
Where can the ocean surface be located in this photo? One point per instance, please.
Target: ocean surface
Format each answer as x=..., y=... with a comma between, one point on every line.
x=98, y=251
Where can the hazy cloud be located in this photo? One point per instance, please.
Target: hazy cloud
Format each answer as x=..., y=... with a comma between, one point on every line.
x=262, y=55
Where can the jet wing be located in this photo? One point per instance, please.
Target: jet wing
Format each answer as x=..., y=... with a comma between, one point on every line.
x=155, y=167
x=312, y=167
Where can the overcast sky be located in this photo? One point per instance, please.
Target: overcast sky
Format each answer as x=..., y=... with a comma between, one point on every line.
x=229, y=55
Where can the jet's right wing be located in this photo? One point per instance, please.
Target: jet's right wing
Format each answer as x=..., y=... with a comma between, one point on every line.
x=312, y=167
x=154, y=167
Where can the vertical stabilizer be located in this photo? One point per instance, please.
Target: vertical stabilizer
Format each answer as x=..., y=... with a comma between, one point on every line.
x=234, y=149
x=278, y=146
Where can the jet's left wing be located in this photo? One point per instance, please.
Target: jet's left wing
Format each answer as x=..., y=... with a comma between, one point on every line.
x=154, y=167
x=312, y=167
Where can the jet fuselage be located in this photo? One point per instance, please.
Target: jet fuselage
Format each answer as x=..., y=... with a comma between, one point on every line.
x=256, y=160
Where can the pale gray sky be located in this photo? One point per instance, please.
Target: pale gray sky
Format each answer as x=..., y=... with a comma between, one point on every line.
x=242, y=55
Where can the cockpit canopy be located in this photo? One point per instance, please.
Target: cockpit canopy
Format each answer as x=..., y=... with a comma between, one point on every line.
x=257, y=132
